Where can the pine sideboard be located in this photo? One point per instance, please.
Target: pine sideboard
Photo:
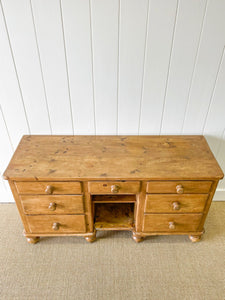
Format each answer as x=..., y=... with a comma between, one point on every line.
x=77, y=185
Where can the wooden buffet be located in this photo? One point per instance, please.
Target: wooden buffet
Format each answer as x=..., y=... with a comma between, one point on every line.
x=150, y=185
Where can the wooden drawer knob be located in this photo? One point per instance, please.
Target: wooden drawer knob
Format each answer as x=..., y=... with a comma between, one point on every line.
x=176, y=205
x=52, y=206
x=115, y=188
x=49, y=189
x=55, y=226
x=171, y=225
x=179, y=189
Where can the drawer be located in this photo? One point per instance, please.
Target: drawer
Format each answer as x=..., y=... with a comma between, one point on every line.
x=48, y=187
x=171, y=222
x=178, y=187
x=66, y=204
x=57, y=224
x=171, y=203
x=114, y=187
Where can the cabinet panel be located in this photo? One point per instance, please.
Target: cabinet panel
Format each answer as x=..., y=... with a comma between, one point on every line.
x=171, y=222
x=62, y=224
x=178, y=187
x=35, y=205
x=165, y=203
x=50, y=187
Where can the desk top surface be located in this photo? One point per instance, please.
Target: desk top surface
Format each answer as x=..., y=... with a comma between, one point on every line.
x=112, y=158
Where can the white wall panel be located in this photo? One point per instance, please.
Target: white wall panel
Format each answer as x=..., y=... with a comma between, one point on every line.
x=10, y=92
x=215, y=122
x=208, y=61
x=187, y=34
x=76, y=20
x=5, y=155
x=160, y=31
x=131, y=58
x=105, y=16
x=22, y=37
x=48, y=23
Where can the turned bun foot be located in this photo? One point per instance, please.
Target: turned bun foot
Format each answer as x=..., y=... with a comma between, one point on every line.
x=195, y=238
x=90, y=238
x=33, y=240
x=137, y=238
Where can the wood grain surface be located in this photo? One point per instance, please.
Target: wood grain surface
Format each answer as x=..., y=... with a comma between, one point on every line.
x=113, y=157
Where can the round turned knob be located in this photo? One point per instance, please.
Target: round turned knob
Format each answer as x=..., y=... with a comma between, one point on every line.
x=52, y=206
x=115, y=188
x=176, y=205
x=49, y=189
x=55, y=226
x=179, y=189
x=171, y=225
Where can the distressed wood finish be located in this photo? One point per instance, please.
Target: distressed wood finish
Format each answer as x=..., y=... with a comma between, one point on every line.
x=150, y=185
x=113, y=157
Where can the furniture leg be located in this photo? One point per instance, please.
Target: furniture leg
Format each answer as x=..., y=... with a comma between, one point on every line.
x=91, y=238
x=137, y=238
x=33, y=240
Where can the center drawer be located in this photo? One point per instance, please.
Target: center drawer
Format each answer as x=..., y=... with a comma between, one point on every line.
x=55, y=204
x=57, y=224
x=172, y=203
x=114, y=187
x=48, y=188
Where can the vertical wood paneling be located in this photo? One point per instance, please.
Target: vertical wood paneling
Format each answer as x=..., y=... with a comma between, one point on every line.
x=10, y=93
x=76, y=20
x=190, y=17
x=48, y=23
x=22, y=37
x=159, y=41
x=131, y=58
x=215, y=122
x=209, y=58
x=104, y=16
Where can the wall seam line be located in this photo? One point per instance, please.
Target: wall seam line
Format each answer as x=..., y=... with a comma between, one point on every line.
x=213, y=91
x=40, y=64
x=118, y=67
x=92, y=65
x=194, y=68
x=169, y=65
x=6, y=127
x=144, y=65
x=66, y=65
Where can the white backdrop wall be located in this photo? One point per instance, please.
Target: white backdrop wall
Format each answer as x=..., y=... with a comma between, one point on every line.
x=111, y=67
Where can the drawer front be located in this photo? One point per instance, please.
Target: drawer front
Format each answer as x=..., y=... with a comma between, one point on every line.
x=170, y=203
x=114, y=187
x=57, y=224
x=48, y=188
x=171, y=222
x=37, y=205
x=178, y=187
